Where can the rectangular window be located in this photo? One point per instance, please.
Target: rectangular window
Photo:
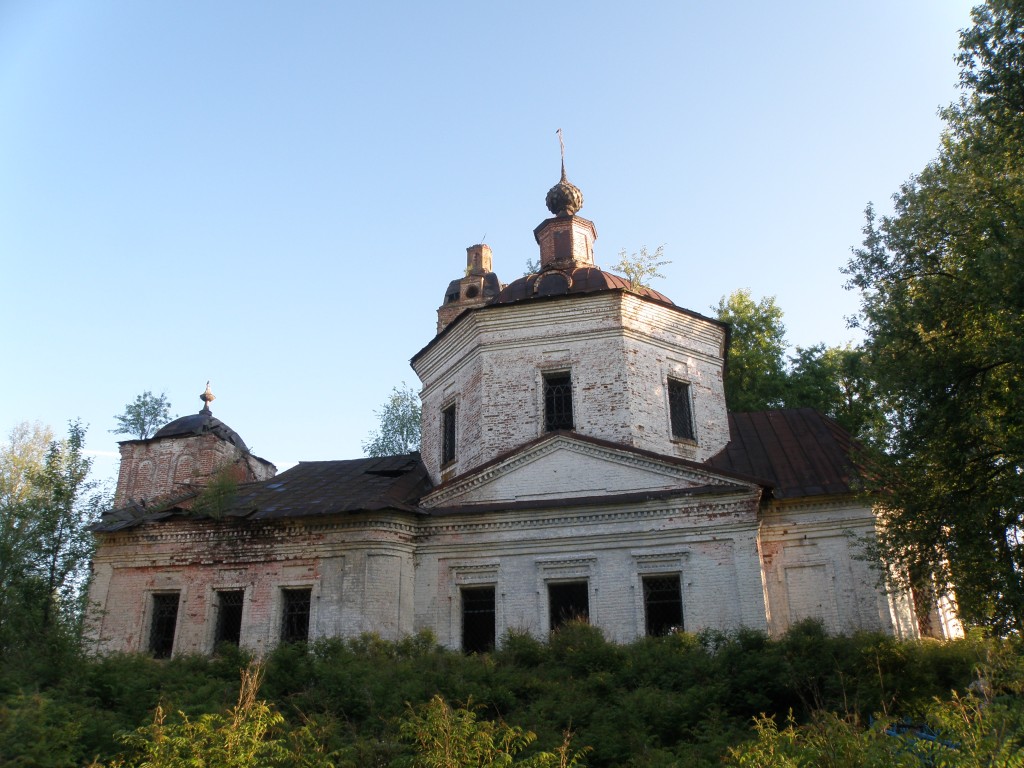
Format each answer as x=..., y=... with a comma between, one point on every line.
x=478, y=632
x=663, y=604
x=163, y=624
x=229, y=616
x=448, y=434
x=568, y=601
x=679, y=409
x=295, y=615
x=557, y=401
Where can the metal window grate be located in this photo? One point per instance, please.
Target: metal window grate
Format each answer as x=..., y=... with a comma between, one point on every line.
x=448, y=434
x=165, y=620
x=663, y=604
x=679, y=409
x=478, y=619
x=568, y=601
x=558, y=402
x=229, y=617
x=295, y=616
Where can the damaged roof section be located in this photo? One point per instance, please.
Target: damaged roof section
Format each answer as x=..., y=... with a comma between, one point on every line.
x=309, y=489
x=801, y=452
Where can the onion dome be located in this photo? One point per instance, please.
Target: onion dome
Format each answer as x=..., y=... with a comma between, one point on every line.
x=565, y=198
x=202, y=423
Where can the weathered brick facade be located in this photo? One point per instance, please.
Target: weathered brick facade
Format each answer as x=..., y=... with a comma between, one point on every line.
x=557, y=478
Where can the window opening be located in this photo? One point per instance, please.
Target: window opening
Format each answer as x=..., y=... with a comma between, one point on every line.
x=663, y=604
x=229, y=616
x=568, y=601
x=448, y=434
x=679, y=409
x=165, y=620
x=295, y=616
x=478, y=619
x=557, y=401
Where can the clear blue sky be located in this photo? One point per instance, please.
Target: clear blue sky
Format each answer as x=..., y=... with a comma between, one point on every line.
x=274, y=195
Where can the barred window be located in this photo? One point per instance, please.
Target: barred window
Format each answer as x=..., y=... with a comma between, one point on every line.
x=163, y=624
x=478, y=632
x=229, y=616
x=679, y=409
x=295, y=615
x=663, y=604
x=557, y=401
x=568, y=601
x=448, y=434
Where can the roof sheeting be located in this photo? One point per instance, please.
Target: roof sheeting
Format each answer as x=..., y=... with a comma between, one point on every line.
x=798, y=451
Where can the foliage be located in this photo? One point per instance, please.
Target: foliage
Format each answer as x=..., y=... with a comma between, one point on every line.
x=942, y=305
x=144, y=416
x=398, y=428
x=249, y=734
x=640, y=268
x=218, y=494
x=44, y=544
x=532, y=267
x=755, y=369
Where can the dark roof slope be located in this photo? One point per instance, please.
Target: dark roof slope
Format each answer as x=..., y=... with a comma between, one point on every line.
x=309, y=489
x=200, y=423
x=801, y=452
x=557, y=282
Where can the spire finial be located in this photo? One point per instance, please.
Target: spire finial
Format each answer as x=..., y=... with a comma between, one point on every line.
x=207, y=397
x=564, y=199
x=561, y=146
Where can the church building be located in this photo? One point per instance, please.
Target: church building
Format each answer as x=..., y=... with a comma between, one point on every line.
x=578, y=462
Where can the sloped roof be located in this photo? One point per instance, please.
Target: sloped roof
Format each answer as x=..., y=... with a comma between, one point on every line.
x=309, y=489
x=798, y=451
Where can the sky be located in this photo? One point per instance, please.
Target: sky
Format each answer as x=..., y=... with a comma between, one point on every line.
x=273, y=196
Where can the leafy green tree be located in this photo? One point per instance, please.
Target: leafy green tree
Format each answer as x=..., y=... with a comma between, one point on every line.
x=143, y=417
x=836, y=382
x=640, y=268
x=755, y=371
x=44, y=543
x=398, y=428
x=942, y=305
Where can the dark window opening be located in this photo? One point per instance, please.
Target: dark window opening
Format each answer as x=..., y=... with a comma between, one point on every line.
x=295, y=616
x=679, y=409
x=478, y=632
x=165, y=620
x=448, y=434
x=557, y=401
x=568, y=601
x=229, y=617
x=663, y=604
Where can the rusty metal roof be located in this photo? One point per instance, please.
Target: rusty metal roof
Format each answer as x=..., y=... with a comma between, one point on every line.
x=798, y=451
x=576, y=280
x=309, y=489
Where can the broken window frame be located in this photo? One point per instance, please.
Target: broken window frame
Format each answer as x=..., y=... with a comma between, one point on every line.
x=296, y=614
x=663, y=603
x=163, y=623
x=230, y=605
x=558, y=405
x=565, y=604
x=479, y=618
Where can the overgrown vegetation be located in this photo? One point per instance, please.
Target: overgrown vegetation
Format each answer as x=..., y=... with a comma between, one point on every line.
x=682, y=699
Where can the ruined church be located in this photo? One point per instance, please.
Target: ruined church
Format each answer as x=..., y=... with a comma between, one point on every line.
x=578, y=462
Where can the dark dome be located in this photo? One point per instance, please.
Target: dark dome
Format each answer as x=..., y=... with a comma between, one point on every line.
x=202, y=423
x=556, y=282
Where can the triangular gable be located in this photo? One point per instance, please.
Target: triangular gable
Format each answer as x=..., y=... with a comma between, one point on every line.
x=564, y=466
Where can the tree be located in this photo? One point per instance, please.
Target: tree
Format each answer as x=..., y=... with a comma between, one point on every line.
x=44, y=541
x=144, y=416
x=942, y=305
x=836, y=382
x=641, y=268
x=399, y=425
x=755, y=372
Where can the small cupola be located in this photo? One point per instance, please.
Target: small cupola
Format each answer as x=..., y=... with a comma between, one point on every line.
x=479, y=286
x=566, y=241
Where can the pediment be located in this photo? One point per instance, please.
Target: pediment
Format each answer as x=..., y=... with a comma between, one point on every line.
x=565, y=467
